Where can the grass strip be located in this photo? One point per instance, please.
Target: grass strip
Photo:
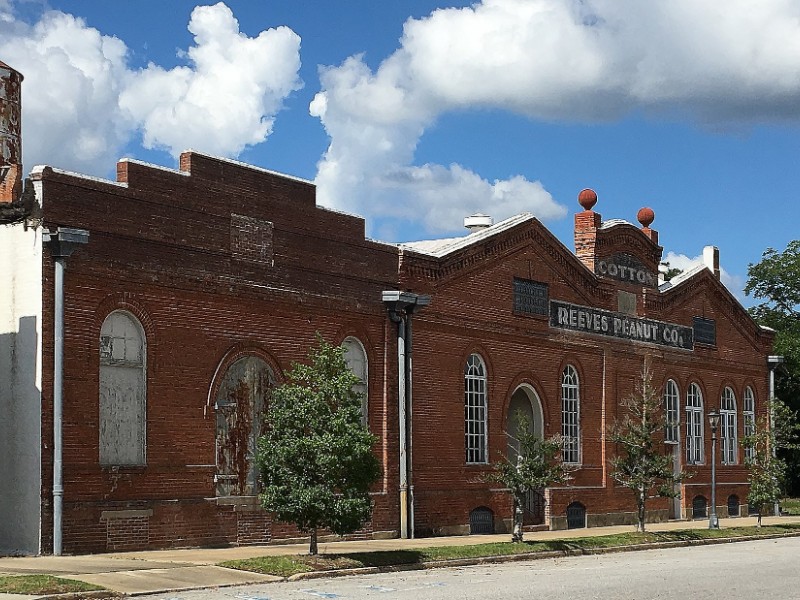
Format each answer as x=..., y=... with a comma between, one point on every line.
x=38, y=585
x=287, y=565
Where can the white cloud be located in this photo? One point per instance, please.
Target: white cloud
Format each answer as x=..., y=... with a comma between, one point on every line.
x=230, y=95
x=734, y=283
x=82, y=103
x=585, y=61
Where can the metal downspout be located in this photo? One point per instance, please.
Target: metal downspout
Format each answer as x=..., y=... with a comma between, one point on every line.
x=58, y=383
x=409, y=425
x=403, y=431
x=62, y=243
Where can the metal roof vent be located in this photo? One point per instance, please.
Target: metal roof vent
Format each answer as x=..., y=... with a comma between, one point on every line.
x=477, y=222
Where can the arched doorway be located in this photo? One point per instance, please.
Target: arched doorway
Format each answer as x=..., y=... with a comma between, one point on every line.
x=525, y=406
x=239, y=405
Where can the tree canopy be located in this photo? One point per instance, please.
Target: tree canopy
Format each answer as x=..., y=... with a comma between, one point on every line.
x=775, y=280
x=316, y=459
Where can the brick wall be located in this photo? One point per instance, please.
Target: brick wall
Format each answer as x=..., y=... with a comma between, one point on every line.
x=220, y=259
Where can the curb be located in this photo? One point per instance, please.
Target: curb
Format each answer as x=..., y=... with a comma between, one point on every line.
x=464, y=562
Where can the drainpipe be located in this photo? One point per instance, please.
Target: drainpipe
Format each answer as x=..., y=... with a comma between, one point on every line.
x=61, y=243
x=401, y=305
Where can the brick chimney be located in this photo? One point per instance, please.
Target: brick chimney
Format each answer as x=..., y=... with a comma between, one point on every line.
x=587, y=223
x=10, y=135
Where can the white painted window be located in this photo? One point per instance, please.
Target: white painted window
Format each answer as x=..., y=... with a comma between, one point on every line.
x=356, y=358
x=727, y=422
x=749, y=414
x=570, y=415
x=694, y=425
x=672, y=413
x=475, y=409
x=123, y=390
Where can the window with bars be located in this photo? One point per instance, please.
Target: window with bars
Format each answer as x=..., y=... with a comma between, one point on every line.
x=749, y=414
x=694, y=425
x=475, y=410
x=570, y=415
x=672, y=416
x=727, y=422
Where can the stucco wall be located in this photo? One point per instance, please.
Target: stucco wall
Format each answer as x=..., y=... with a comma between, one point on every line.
x=20, y=385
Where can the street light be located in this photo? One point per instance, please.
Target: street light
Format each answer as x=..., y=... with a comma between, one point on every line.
x=713, y=420
x=774, y=362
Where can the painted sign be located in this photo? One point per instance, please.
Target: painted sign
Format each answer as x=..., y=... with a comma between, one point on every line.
x=624, y=267
x=586, y=319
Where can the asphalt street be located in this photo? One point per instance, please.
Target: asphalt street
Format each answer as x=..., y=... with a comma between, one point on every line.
x=764, y=569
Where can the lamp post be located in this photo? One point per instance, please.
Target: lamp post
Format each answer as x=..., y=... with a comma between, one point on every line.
x=773, y=362
x=713, y=420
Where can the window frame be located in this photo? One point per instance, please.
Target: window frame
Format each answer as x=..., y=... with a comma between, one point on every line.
x=353, y=342
x=571, y=415
x=476, y=404
x=105, y=366
x=695, y=431
x=728, y=422
x=672, y=412
x=749, y=419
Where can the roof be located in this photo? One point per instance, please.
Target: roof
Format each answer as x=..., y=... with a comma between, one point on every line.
x=443, y=247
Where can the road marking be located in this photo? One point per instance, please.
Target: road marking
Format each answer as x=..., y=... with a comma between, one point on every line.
x=320, y=594
x=379, y=588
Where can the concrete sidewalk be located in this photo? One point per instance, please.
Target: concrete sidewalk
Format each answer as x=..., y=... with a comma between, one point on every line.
x=155, y=571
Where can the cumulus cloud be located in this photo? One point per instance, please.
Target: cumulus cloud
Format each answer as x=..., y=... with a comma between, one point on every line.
x=228, y=97
x=82, y=103
x=562, y=60
x=734, y=283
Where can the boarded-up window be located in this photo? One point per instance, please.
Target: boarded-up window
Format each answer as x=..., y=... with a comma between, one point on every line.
x=240, y=404
x=123, y=390
x=356, y=358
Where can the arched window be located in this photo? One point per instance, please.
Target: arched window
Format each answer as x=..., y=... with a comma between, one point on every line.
x=694, y=425
x=475, y=409
x=356, y=358
x=727, y=412
x=749, y=414
x=123, y=390
x=570, y=415
x=672, y=400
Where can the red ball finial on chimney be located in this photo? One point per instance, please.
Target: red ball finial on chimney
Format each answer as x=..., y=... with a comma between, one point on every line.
x=645, y=216
x=587, y=199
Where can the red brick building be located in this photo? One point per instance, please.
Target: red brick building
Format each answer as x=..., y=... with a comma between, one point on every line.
x=186, y=294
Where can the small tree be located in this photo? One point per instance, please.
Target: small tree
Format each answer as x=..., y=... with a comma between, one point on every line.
x=766, y=470
x=316, y=458
x=533, y=463
x=642, y=464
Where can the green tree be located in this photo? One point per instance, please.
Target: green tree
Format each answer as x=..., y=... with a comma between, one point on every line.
x=316, y=459
x=669, y=272
x=531, y=464
x=642, y=463
x=775, y=280
x=766, y=470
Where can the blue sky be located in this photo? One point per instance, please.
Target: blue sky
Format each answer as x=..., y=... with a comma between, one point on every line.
x=415, y=114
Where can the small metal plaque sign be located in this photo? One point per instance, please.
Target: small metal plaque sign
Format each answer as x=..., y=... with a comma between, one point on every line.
x=586, y=319
x=624, y=267
x=531, y=297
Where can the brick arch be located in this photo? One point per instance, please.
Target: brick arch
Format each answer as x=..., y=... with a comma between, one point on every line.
x=530, y=381
x=234, y=353
x=127, y=302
